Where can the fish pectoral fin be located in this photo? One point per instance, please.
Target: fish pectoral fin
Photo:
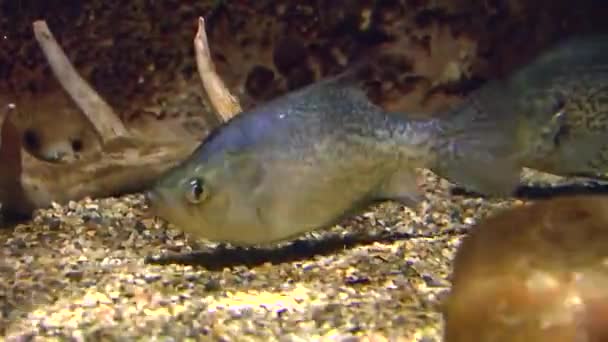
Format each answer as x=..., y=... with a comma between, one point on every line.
x=403, y=188
x=488, y=177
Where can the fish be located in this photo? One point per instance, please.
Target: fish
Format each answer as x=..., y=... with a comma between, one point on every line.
x=561, y=101
x=310, y=158
x=557, y=105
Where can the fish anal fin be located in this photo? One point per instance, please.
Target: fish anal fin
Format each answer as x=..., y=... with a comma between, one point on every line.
x=491, y=178
x=401, y=187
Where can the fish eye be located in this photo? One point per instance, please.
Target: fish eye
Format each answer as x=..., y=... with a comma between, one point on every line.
x=559, y=117
x=558, y=109
x=559, y=104
x=196, y=190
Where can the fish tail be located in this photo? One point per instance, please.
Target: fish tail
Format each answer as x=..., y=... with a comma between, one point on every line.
x=478, y=147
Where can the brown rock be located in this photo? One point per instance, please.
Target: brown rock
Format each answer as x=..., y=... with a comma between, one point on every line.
x=533, y=273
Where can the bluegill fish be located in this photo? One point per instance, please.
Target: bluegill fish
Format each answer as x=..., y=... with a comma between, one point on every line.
x=310, y=158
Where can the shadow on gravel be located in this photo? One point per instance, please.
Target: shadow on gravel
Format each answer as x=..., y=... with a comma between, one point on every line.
x=301, y=249
x=531, y=192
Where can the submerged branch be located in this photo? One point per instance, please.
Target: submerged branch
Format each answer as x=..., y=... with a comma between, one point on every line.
x=99, y=113
x=126, y=163
x=225, y=104
x=12, y=194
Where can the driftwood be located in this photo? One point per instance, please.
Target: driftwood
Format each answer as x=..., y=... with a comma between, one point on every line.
x=101, y=115
x=223, y=102
x=125, y=161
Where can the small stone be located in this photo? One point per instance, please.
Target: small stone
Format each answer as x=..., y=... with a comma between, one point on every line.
x=94, y=298
x=150, y=278
x=213, y=285
x=74, y=274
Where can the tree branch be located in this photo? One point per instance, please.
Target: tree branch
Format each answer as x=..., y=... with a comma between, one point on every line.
x=127, y=170
x=10, y=147
x=101, y=115
x=12, y=195
x=225, y=105
x=126, y=163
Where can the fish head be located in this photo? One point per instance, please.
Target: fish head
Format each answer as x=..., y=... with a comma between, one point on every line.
x=551, y=115
x=568, y=79
x=213, y=200
x=543, y=122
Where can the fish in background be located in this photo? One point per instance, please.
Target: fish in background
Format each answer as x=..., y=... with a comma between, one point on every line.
x=572, y=139
x=310, y=158
x=558, y=104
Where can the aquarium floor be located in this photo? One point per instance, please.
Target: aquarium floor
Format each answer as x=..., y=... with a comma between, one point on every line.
x=79, y=272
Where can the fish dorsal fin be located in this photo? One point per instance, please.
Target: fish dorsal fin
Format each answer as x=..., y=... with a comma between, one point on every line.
x=345, y=87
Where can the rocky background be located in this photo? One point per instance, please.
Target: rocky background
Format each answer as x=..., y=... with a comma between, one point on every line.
x=77, y=271
x=139, y=55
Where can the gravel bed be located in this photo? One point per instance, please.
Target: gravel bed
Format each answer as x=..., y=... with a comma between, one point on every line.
x=86, y=271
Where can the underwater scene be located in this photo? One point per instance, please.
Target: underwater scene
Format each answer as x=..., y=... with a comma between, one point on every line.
x=399, y=170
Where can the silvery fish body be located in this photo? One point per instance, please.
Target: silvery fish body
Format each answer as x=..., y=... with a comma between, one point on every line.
x=310, y=158
x=298, y=163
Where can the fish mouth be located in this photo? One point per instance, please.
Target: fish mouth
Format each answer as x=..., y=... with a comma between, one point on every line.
x=155, y=202
x=150, y=198
x=162, y=205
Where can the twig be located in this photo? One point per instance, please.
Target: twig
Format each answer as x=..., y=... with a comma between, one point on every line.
x=225, y=105
x=11, y=167
x=10, y=146
x=127, y=170
x=101, y=115
x=27, y=183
